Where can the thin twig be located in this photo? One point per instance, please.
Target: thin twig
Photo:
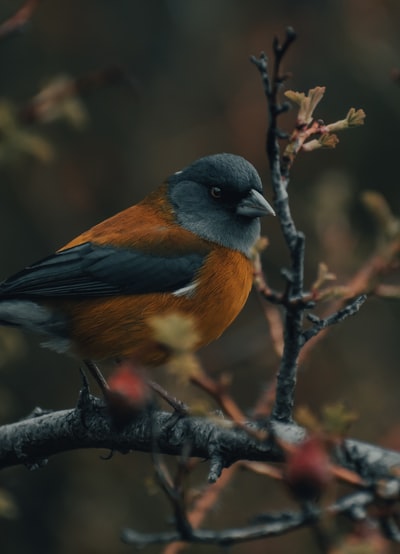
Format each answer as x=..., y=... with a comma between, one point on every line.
x=173, y=489
x=218, y=390
x=98, y=377
x=274, y=525
x=337, y=317
x=203, y=504
x=179, y=407
x=365, y=281
x=286, y=378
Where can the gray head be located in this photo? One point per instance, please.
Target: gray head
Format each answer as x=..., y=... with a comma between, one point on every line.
x=220, y=199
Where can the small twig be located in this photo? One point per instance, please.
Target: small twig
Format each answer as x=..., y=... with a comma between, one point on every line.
x=218, y=390
x=98, y=377
x=203, y=504
x=173, y=489
x=262, y=468
x=337, y=317
x=179, y=407
x=288, y=522
x=274, y=525
x=365, y=281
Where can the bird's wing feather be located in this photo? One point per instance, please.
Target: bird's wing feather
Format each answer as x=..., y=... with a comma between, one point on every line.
x=90, y=270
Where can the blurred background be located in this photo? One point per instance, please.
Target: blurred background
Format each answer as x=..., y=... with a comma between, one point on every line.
x=195, y=93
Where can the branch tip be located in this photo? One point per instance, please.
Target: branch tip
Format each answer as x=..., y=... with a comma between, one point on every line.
x=216, y=467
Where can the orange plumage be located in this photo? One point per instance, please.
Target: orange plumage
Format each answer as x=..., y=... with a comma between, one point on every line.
x=118, y=327
x=183, y=249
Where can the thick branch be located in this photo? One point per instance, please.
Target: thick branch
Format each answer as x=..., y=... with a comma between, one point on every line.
x=31, y=441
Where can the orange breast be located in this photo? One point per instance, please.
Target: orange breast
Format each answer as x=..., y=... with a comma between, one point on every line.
x=118, y=327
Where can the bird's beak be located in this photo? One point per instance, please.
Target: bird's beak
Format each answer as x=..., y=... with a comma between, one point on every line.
x=254, y=205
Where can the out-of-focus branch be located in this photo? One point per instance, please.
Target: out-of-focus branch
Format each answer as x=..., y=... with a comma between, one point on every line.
x=273, y=525
x=18, y=21
x=45, y=106
x=366, y=281
x=202, y=505
x=32, y=441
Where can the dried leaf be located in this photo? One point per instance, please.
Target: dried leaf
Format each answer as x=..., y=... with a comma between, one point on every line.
x=15, y=140
x=183, y=366
x=336, y=419
x=8, y=506
x=58, y=100
x=176, y=331
x=323, y=276
x=355, y=117
x=379, y=208
x=326, y=140
x=307, y=104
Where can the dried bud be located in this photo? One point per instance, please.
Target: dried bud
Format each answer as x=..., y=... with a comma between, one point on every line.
x=326, y=140
x=129, y=392
x=354, y=118
x=308, y=470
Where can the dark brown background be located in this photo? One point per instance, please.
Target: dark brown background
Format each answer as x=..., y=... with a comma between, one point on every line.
x=197, y=94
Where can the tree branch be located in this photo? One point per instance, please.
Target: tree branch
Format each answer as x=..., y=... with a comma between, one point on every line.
x=31, y=441
x=273, y=525
x=286, y=378
x=337, y=317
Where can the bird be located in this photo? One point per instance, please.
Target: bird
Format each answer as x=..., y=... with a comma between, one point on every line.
x=185, y=248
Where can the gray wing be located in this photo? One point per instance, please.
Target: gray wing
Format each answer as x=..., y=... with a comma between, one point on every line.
x=90, y=270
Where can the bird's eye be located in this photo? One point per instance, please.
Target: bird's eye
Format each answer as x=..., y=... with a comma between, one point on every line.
x=216, y=192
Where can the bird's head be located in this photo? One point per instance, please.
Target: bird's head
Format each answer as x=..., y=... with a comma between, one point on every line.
x=220, y=199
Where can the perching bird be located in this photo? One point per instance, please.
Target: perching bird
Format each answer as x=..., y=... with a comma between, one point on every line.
x=183, y=249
